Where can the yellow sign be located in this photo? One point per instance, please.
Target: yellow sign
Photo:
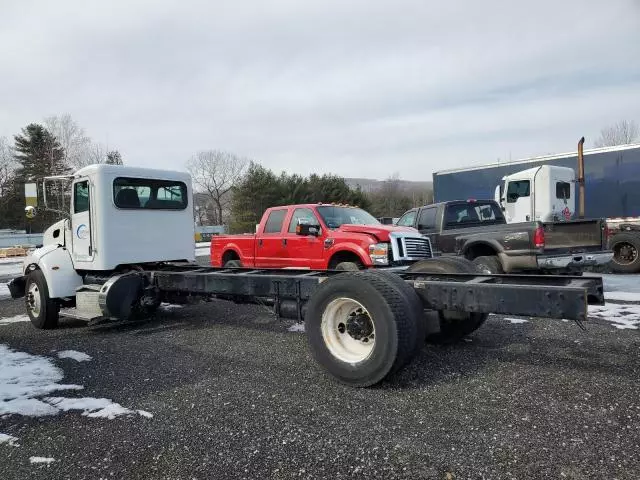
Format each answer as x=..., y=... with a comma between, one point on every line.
x=31, y=195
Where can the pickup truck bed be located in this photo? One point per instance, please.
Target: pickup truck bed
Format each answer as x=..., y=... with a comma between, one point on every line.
x=478, y=231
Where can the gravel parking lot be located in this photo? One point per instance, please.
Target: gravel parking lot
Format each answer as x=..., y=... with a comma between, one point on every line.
x=217, y=390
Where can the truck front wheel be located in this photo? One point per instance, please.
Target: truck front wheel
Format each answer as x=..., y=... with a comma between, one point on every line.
x=42, y=310
x=454, y=325
x=360, y=328
x=626, y=252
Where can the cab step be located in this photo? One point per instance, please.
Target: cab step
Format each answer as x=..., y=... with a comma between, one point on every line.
x=87, y=306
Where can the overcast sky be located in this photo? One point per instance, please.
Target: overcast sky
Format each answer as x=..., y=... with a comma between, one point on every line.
x=358, y=88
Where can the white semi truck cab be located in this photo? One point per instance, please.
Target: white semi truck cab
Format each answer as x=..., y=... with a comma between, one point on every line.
x=119, y=219
x=545, y=193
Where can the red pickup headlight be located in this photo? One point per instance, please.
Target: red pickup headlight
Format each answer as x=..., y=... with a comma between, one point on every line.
x=538, y=237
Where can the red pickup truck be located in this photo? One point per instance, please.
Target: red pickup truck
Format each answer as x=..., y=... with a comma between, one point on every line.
x=320, y=237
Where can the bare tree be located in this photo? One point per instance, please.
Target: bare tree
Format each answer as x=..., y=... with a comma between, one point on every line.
x=72, y=138
x=621, y=133
x=215, y=173
x=7, y=167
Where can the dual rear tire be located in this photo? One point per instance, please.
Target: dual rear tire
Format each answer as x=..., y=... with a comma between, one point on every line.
x=364, y=326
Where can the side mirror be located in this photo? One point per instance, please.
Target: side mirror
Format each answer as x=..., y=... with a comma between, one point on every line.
x=305, y=228
x=30, y=211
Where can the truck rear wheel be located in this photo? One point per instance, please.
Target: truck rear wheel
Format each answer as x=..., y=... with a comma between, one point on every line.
x=488, y=264
x=42, y=310
x=626, y=252
x=360, y=328
x=454, y=325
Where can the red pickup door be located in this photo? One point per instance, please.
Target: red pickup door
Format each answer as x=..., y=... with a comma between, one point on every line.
x=320, y=237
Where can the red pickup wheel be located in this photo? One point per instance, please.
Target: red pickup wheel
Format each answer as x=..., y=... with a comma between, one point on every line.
x=454, y=325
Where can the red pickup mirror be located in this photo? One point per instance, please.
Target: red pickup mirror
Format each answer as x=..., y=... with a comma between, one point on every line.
x=305, y=228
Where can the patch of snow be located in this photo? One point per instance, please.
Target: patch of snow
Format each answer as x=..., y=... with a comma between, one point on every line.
x=11, y=268
x=4, y=438
x=46, y=460
x=298, y=327
x=91, y=407
x=145, y=414
x=516, y=320
x=23, y=378
x=203, y=252
x=622, y=316
x=622, y=296
x=169, y=306
x=26, y=379
x=16, y=319
x=4, y=292
x=203, y=244
x=74, y=355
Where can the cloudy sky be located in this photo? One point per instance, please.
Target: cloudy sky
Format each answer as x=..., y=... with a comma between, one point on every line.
x=359, y=88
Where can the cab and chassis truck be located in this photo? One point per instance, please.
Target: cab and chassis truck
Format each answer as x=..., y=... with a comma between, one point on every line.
x=126, y=245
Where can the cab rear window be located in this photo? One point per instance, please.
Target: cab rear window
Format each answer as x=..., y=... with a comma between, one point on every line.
x=149, y=194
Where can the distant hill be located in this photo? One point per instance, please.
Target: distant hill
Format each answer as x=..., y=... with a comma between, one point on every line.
x=371, y=185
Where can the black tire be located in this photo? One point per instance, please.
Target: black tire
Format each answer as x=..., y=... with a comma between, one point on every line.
x=233, y=264
x=348, y=266
x=454, y=326
x=416, y=307
x=395, y=326
x=488, y=264
x=42, y=310
x=626, y=252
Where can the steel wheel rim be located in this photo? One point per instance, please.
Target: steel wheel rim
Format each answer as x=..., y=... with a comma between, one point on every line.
x=33, y=300
x=622, y=251
x=348, y=330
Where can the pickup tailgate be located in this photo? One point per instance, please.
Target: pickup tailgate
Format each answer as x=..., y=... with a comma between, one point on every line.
x=575, y=236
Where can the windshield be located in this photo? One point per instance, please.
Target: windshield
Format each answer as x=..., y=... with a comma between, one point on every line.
x=333, y=217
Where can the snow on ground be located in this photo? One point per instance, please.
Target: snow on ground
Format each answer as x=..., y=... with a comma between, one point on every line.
x=16, y=319
x=169, y=306
x=516, y=320
x=622, y=316
x=4, y=292
x=74, y=355
x=4, y=438
x=26, y=381
x=622, y=296
x=298, y=327
x=46, y=460
x=11, y=266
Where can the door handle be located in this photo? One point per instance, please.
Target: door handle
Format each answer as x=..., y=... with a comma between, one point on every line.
x=284, y=242
x=260, y=242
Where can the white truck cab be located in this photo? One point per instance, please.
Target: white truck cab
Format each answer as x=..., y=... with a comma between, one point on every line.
x=119, y=218
x=545, y=193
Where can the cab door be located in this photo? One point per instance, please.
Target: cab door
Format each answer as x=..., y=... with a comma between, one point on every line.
x=304, y=251
x=518, y=206
x=81, y=227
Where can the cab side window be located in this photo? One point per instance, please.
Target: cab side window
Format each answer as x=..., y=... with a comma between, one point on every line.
x=275, y=221
x=407, y=219
x=81, y=197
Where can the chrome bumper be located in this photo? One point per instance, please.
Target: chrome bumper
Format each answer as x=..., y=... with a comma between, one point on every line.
x=576, y=260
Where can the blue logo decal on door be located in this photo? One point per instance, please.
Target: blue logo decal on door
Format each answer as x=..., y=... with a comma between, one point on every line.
x=82, y=231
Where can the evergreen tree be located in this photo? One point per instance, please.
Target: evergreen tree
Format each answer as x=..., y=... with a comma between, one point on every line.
x=38, y=153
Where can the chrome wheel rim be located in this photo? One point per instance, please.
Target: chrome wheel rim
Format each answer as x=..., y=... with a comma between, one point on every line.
x=348, y=330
